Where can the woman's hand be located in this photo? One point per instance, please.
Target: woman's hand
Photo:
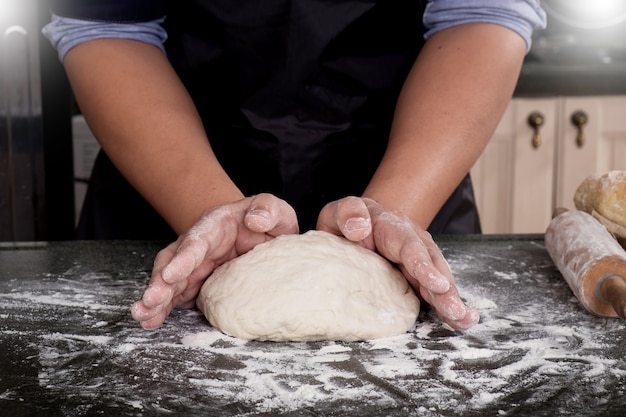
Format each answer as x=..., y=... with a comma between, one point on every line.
x=393, y=236
x=221, y=234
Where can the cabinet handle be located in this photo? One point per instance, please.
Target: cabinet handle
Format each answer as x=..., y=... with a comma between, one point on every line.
x=535, y=120
x=579, y=119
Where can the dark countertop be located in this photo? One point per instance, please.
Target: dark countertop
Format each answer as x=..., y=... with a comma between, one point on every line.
x=549, y=80
x=68, y=346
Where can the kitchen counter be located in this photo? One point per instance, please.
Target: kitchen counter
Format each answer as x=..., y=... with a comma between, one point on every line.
x=68, y=346
x=538, y=79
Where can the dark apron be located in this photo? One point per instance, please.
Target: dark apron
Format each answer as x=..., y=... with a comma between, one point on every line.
x=297, y=99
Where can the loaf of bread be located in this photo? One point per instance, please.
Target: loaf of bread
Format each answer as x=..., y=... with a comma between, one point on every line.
x=604, y=197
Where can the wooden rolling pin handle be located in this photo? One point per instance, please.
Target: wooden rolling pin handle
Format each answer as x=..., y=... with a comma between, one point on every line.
x=611, y=289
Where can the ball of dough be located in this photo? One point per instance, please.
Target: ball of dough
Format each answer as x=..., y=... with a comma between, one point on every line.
x=309, y=287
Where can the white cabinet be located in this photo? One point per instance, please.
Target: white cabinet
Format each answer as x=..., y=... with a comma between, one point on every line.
x=518, y=183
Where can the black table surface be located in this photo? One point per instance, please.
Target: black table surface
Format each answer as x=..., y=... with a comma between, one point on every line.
x=68, y=346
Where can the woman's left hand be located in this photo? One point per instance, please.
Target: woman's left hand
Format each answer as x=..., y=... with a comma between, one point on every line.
x=396, y=238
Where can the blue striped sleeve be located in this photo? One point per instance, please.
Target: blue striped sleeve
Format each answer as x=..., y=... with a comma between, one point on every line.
x=65, y=33
x=521, y=16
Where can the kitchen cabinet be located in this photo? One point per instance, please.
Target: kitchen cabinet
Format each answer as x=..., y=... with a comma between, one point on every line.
x=526, y=172
x=35, y=133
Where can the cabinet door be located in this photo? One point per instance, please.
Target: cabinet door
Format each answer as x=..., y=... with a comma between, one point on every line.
x=533, y=181
x=492, y=176
x=601, y=148
x=513, y=178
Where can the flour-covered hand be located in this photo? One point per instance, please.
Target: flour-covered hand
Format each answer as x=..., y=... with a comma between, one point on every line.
x=221, y=234
x=414, y=251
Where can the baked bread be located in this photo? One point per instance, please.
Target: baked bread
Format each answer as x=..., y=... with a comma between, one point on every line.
x=604, y=197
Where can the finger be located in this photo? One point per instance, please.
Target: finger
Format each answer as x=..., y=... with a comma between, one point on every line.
x=436, y=256
x=155, y=322
x=160, y=297
x=353, y=218
x=212, y=235
x=349, y=217
x=449, y=305
x=138, y=311
x=451, y=309
x=190, y=253
x=164, y=256
x=471, y=318
x=270, y=214
x=151, y=319
x=158, y=292
x=141, y=313
x=414, y=259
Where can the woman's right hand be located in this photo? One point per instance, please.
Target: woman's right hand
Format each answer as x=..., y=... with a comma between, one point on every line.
x=221, y=234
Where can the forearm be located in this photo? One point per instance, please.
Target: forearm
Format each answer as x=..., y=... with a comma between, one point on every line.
x=148, y=125
x=449, y=107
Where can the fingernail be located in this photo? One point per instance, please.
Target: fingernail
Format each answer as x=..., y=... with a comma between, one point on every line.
x=472, y=318
x=357, y=224
x=258, y=218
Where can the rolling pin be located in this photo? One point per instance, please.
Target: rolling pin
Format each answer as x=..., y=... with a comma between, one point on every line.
x=590, y=260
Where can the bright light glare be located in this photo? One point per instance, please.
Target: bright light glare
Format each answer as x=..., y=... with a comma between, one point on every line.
x=596, y=10
x=588, y=13
x=8, y=9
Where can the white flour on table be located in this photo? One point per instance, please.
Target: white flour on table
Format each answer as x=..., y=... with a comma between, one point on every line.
x=88, y=348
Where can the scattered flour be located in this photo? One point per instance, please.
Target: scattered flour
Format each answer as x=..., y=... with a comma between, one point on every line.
x=505, y=275
x=527, y=351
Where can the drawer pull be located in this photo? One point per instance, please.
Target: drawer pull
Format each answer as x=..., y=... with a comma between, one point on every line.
x=535, y=120
x=579, y=119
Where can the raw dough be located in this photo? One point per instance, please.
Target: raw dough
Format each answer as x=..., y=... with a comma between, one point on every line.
x=308, y=287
